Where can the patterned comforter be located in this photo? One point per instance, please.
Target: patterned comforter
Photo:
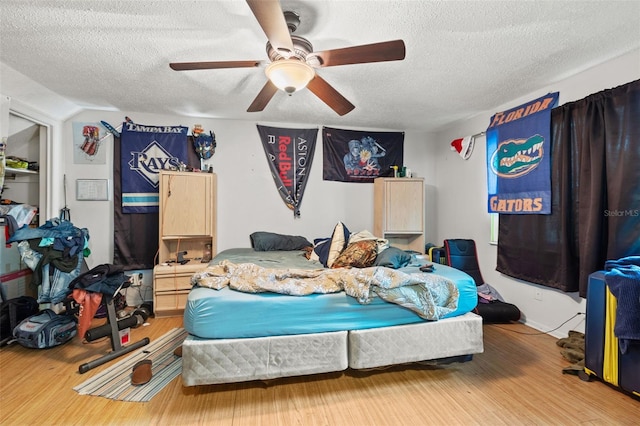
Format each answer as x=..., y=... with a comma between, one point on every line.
x=428, y=295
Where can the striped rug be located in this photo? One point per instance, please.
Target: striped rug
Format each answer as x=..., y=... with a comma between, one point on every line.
x=115, y=382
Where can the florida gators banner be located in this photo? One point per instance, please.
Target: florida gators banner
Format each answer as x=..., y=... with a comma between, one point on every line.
x=290, y=154
x=360, y=156
x=145, y=150
x=519, y=158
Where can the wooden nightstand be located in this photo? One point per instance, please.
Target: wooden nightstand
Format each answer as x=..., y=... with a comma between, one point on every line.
x=171, y=285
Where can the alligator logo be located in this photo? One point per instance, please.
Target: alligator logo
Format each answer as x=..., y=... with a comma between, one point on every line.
x=517, y=157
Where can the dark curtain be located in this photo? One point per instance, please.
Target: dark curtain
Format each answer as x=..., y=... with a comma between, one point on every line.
x=135, y=235
x=595, y=210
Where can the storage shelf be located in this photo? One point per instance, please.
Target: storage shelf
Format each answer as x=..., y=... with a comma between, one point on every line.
x=398, y=212
x=21, y=172
x=183, y=237
x=187, y=218
x=403, y=233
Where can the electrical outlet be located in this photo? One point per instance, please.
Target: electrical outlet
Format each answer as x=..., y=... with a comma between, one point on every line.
x=537, y=294
x=136, y=280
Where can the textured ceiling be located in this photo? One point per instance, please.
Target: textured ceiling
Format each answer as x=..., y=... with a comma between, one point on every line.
x=463, y=57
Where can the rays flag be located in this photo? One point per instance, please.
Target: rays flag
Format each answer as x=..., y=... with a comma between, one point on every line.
x=145, y=150
x=360, y=156
x=519, y=158
x=290, y=154
x=135, y=235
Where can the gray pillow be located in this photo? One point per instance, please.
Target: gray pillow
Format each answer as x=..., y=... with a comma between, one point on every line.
x=269, y=241
x=393, y=257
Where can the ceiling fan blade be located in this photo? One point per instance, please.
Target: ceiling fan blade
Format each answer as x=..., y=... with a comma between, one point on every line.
x=271, y=18
x=329, y=95
x=185, y=66
x=263, y=98
x=377, y=52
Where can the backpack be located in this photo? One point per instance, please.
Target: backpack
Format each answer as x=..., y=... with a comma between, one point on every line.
x=45, y=330
x=13, y=311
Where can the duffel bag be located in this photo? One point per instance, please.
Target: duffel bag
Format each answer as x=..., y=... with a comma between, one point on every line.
x=45, y=330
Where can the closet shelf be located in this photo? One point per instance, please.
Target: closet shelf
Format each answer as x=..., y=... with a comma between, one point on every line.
x=9, y=171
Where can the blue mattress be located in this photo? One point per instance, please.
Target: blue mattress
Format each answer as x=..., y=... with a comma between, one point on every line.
x=228, y=314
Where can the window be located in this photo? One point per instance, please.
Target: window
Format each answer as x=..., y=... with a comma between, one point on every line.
x=495, y=217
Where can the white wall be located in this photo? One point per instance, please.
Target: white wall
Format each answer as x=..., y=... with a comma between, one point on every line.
x=247, y=197
x=461, y=196
x=248, y=200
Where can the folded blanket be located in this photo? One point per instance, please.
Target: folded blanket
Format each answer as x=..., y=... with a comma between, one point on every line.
x=622, y=276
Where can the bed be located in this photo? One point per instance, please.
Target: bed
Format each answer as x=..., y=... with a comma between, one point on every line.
x=237, y=336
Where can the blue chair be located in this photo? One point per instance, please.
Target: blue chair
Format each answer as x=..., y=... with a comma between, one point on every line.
x=461, y=254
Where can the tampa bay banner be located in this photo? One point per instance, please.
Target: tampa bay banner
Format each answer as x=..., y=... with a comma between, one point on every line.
x=519, y=158
x=145, y=150
x=290, y=154
x=360, y=156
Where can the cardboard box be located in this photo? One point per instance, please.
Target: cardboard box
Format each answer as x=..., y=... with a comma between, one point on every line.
x=16, y=284
x=10, y=260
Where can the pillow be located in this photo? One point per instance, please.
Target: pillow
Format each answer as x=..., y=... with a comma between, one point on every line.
x=393, y=257
x=339, y=240
x=328, y=249
x=366, y=235
x=269, y=241
x=362, y=235
x=321, y=250
x=360, y=254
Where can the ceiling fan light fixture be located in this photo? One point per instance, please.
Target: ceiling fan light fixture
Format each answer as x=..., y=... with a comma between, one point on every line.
x=289, y=75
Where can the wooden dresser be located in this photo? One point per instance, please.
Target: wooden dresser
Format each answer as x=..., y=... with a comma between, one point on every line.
x=187, y=221
x=398, y=212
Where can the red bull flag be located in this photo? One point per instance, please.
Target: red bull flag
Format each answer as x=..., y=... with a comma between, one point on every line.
x=519, y=158
x=290, y=154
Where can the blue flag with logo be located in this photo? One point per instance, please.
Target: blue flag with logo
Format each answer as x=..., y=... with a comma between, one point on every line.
x=145, y=150
x=519, y=158
x=360, y=156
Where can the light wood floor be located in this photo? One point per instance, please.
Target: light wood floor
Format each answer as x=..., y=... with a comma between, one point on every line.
x=518, y=380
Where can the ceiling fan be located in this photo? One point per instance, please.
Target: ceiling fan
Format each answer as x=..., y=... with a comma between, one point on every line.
x=293, y=63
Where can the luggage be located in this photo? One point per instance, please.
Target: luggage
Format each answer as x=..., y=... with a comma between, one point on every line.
x=603, y=357
x=45, y=330
x=12, y=312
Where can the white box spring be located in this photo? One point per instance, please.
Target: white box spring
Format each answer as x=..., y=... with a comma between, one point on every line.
x=445, y=338
x=213, y=361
